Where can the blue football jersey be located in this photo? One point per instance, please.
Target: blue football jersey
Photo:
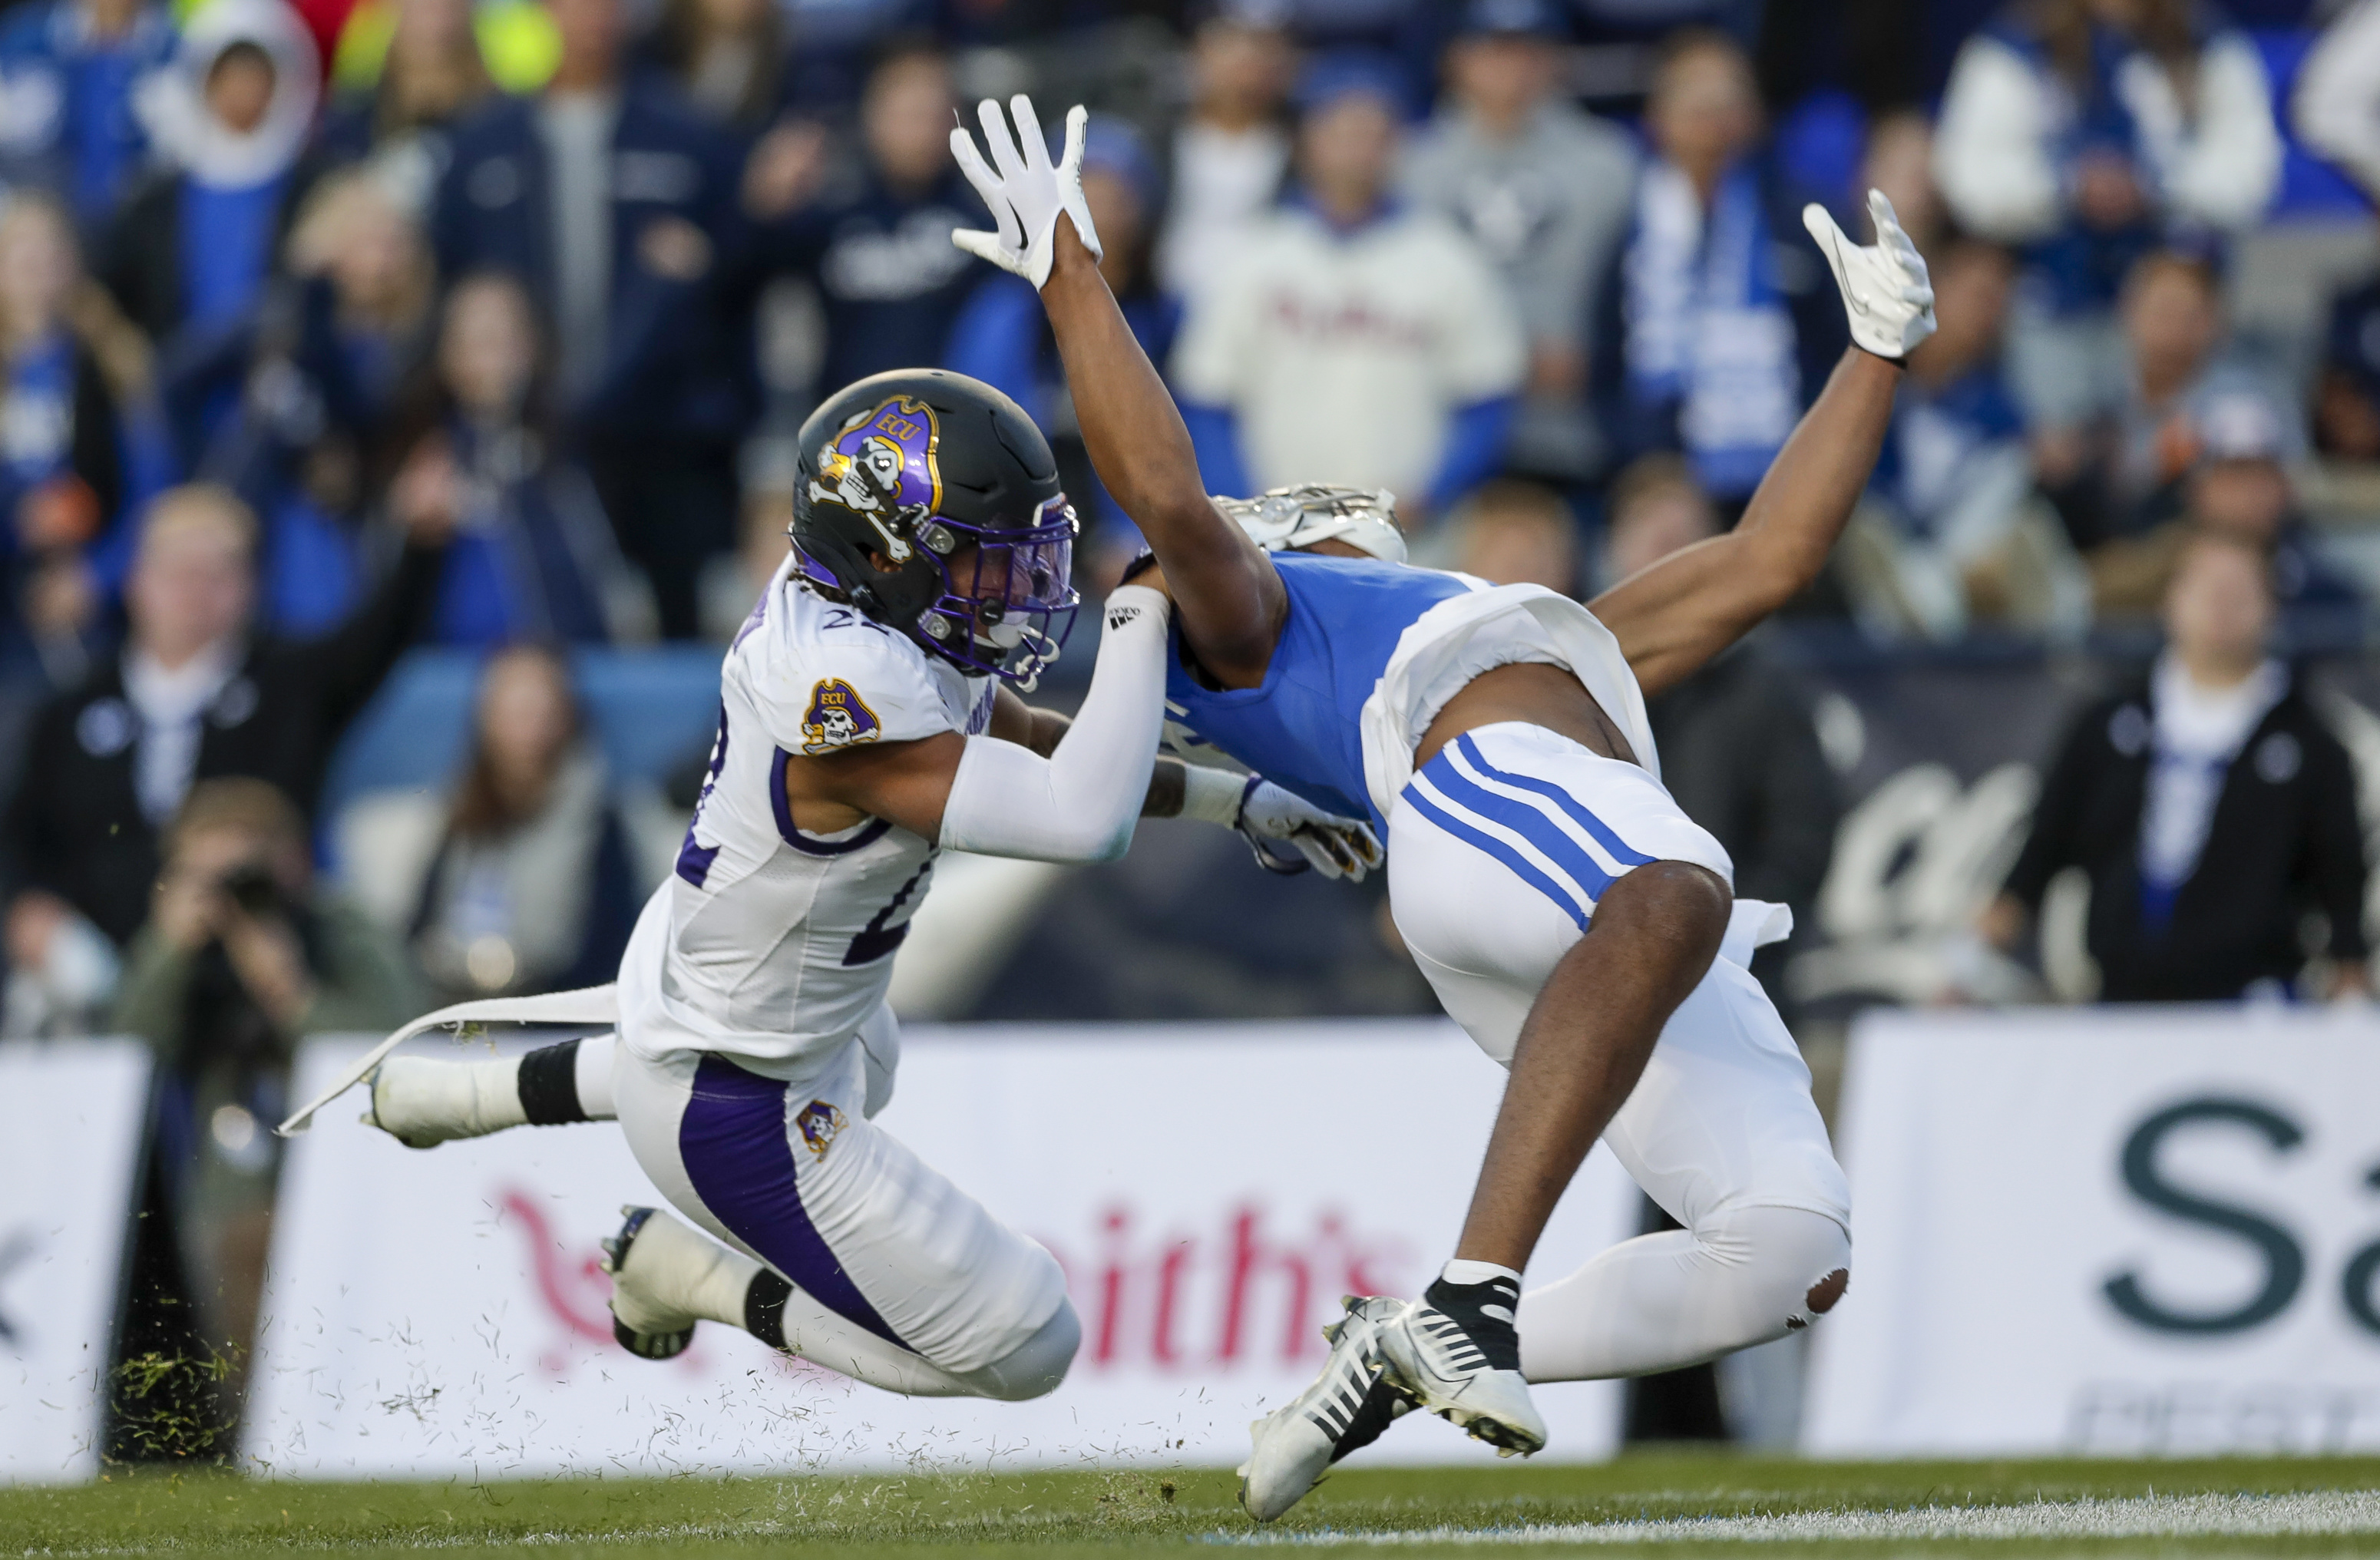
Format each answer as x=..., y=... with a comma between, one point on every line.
x=1302, y=728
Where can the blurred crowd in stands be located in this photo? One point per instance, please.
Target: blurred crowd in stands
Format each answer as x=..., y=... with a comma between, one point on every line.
x=333, y=329
x=330, y=329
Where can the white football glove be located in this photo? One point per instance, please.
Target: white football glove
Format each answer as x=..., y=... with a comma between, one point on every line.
x=1026, y=194
x=1886, y=290
x=1334, y=846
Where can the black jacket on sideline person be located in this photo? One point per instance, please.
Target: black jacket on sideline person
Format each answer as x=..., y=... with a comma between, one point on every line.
x=1739, y=753
x=2284, y=839
x=74, y=825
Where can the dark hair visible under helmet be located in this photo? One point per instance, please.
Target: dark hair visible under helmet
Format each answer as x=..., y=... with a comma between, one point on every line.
x=918, y=467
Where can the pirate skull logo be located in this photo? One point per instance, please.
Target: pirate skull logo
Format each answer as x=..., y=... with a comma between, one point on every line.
x=884, y=468
x=837, y=718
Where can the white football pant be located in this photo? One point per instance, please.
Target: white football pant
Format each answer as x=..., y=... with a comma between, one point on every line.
x=899, y=1280
x=1498, y=851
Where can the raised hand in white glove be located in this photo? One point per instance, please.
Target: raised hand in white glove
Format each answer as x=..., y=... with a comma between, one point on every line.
x=1886, y=290
x=1026, y=194
x=1266, y=816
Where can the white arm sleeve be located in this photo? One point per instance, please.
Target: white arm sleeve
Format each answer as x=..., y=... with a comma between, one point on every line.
x=1080, y=803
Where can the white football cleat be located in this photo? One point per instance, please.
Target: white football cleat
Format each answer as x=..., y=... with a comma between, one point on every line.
x=1473, y=1382
x=422, y=1102
x=1348, y=1406
x=651, y=1260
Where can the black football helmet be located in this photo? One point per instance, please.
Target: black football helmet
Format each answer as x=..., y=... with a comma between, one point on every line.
x=930, y=502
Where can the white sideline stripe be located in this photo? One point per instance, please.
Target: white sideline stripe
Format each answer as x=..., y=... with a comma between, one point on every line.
x=2319, y=1512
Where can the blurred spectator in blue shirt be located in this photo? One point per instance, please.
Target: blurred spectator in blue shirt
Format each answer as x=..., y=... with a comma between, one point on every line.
x=429, y=82
x=2121, y=479
x=1002, y=337
x=531, y=557
x=1955, y=471
x=1725, y=316
x=337, y=337
x=188, y=254
x=1231, y=150
x=613, y=203
x=69, y=71
x=1543, y=186
x=80, y=442
x=2117, y=472
x=2091, y=132
x=876, y=241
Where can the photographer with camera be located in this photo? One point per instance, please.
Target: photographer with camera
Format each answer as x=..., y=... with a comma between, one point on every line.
x=239, y=960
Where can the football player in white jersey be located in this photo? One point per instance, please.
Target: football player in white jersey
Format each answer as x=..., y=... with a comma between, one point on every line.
x=866, y=725
x=1567, y=912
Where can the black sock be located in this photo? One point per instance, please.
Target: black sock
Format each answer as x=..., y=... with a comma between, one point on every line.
x=764, y=1308
x=1469, y=1305
x=549, y=1086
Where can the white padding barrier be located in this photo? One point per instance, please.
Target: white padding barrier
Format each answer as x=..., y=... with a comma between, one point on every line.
x=2118, y=1231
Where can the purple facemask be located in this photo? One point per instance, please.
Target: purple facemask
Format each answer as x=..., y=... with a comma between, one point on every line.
x=1012, y=617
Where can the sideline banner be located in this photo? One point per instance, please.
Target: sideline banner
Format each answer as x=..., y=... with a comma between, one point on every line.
x=70, y=1119
x=2145, y=1231
x=1210, y=1190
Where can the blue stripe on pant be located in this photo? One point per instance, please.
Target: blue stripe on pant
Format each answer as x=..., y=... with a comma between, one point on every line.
x=1621, y=852
x=1462, y=796
x=1522, y=866
x=733, y=1142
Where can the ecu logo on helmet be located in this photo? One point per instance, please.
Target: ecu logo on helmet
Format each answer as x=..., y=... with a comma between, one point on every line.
x=837, y=718
x=882, y=468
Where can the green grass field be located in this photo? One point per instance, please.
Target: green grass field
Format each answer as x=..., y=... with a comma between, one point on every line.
x=1702, y=1503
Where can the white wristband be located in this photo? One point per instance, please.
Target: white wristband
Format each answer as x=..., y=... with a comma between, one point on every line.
x=1212, y=795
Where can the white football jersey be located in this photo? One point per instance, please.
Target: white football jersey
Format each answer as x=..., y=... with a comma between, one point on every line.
x=769, y=944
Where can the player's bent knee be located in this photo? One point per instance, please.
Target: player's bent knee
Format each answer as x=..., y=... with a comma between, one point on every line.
x=1804, y=1260
x=1034, y=1368
x=1684, y=898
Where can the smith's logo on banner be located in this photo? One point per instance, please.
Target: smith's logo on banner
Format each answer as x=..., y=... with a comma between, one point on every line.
x=2282, y=1253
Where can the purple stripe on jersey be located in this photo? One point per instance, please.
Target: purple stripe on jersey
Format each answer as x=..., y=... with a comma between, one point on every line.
x=733, y=1142
x=694, y=861
x=876, y=829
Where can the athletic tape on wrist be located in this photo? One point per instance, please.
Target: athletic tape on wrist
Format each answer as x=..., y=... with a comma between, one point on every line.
x=1212, y=795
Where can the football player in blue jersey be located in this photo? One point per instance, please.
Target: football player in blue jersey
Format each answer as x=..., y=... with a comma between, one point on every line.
x=1566, y=912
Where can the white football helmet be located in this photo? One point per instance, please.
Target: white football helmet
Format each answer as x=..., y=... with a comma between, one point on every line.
x=1314, y=512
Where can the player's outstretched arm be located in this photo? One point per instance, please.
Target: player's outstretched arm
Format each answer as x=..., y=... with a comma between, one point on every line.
x=1002, y=798
x=1230, y=601
x=1257, y=808
x=1678, y=614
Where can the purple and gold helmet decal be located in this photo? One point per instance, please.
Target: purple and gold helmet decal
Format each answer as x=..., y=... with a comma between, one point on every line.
x=882, y=468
